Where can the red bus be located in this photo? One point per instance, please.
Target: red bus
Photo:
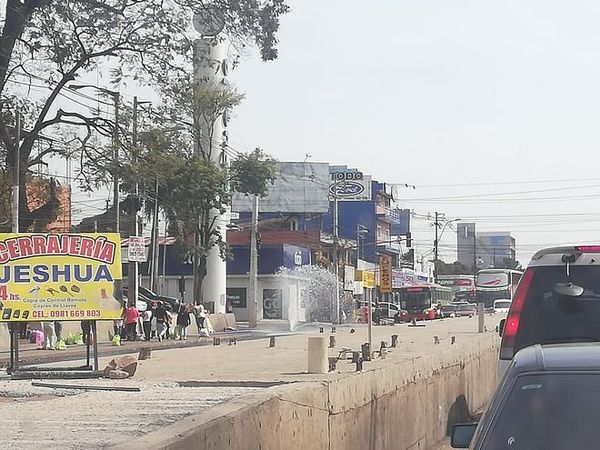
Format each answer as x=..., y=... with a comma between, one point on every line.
x=463, y=286
x=420, y=301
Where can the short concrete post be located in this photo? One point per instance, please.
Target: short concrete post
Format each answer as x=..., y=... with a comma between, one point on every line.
x=394, y=340
x=272, y=341
x=145, y=353
x=331, y=341
x=366, y=351
x=359, y=364
x=317, y=355
x=452, y=340
x=382, y=346
x=332, y=363
x=383, y=353
x=436, y=340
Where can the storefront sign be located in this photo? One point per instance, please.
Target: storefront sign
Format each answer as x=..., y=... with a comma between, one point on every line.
x=350, y=185
x=60, y=277
x=385, y=274
x=368, y=279
x=236, y=297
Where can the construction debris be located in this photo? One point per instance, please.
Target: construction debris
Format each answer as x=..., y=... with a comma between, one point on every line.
x=127, y=364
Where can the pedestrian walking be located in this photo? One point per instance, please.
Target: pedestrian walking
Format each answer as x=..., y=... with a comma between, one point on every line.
x=183, y=321
x=168, y=321
x=153, y=321
x=58, y=330
x=200, y=315
x=49, y=336
x=147, y=323
x=131, y=319
x=86, y=328
x=160, y=314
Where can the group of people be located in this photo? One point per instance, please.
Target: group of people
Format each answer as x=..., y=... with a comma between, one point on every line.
x=158, y=319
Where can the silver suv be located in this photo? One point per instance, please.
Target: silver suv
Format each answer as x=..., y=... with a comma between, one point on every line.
x=557, y=301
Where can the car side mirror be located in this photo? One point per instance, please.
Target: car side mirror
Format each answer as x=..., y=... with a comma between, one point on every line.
x=501, y=327
x=462, y=434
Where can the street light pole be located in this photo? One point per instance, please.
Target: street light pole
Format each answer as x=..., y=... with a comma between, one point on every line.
x=437, y=240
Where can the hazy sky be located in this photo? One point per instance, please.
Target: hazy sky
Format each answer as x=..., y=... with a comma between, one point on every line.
x=432, y=92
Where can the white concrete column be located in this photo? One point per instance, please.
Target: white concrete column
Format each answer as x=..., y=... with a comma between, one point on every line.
x=210, y=66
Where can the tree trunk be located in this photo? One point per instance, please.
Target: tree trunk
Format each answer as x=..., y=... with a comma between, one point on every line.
x=199, y=275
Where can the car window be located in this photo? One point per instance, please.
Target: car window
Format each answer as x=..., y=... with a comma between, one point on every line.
x=548, y=411
x=550, y=318
x=466, y=307
x=505, y=304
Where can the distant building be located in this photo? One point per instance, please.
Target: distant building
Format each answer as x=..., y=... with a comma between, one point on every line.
x=465, y=241
x=496, y=246
x=490, y=248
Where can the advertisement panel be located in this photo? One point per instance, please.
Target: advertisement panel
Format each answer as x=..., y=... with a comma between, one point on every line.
x=349, y=276
x=60, y=277
x=349, y=185
x=299, y=187
x=385, y=274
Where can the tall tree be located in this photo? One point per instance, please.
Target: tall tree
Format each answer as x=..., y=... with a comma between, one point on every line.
x=50, y=44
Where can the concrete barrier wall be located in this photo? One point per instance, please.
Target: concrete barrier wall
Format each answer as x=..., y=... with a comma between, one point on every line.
x=391, y=405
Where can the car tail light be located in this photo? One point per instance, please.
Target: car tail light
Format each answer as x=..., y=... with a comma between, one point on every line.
x=511, y=326
x=589, y=248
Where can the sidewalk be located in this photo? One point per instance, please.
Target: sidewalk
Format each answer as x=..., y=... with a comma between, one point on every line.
x=29, y=354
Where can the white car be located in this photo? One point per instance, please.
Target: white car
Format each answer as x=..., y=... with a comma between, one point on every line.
x=502, y=305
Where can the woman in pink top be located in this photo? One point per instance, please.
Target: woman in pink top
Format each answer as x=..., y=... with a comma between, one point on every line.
x=131, y=319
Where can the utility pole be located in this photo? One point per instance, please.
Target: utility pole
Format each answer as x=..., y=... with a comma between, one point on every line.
x=435, y=247
x=17, y=177
x=116, y=98
x=14, y=336
x=474, y=253
x=335, y=317
x=253, y=274
x=132, y=273
x=155, y=247
x=480, y=304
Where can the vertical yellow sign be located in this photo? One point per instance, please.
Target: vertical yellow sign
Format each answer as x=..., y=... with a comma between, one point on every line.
x=385, y=274
x=60, y=277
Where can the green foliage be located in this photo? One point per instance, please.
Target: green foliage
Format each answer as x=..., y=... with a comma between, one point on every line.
x=251, y=173
x=50, y=44
x=456, y=268
x=508, y=263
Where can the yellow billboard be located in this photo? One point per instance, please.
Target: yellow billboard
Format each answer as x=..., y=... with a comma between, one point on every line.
x=46, y=277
